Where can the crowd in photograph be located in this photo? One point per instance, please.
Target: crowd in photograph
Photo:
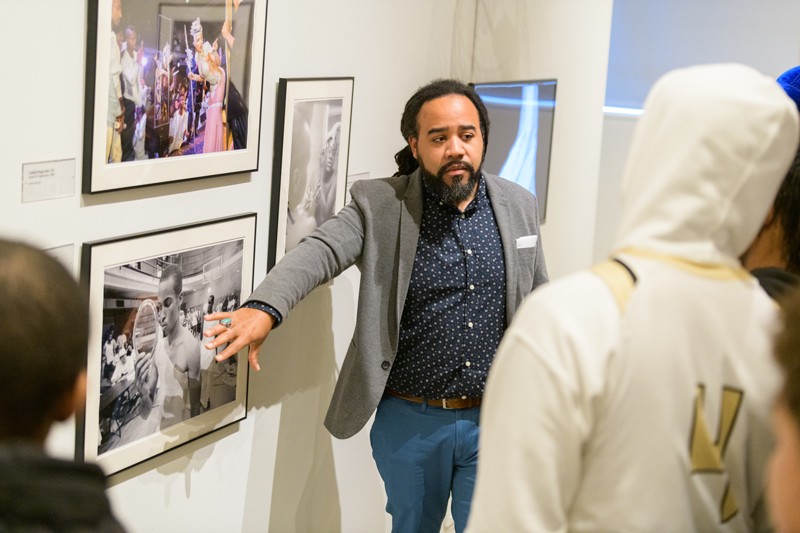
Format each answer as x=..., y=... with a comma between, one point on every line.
x=171, y=101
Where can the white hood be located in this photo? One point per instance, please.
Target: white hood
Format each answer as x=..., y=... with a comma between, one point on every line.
x=706, y=161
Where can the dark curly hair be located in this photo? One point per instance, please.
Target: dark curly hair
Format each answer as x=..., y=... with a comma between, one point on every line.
x=786, y=210
x=409, y=126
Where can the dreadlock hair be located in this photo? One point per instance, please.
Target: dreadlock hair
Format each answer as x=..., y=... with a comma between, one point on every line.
x=409, y=126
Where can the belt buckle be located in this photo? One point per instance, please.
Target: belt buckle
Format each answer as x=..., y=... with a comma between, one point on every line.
x=444, y=404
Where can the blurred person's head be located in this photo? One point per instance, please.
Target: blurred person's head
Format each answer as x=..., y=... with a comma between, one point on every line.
x=778, y=241
x=786, y=212
x=43, y=346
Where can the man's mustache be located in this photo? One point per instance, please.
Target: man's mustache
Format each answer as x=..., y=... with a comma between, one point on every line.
x=457, y=165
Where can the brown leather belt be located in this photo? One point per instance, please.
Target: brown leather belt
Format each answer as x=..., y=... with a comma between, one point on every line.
x=445, y=403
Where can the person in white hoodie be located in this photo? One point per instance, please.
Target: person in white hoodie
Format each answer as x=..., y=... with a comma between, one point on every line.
x=637, y=397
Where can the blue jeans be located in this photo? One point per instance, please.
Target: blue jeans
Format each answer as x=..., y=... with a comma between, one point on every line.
x=423, y=454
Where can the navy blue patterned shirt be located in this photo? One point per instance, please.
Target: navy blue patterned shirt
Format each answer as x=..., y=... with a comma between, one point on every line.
x=454, y=313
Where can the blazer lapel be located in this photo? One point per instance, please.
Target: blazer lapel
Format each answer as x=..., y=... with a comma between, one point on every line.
x=504, y=225
x=410, y=221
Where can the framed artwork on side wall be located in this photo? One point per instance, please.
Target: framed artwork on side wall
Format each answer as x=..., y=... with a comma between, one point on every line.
x=309, y=172
x=152, y=385
x=173, y=91
x=522, y=114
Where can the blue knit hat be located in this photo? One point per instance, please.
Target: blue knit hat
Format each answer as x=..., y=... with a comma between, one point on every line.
x=790, y=81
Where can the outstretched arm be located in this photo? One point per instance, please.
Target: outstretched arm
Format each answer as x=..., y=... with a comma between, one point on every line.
x=320, y=257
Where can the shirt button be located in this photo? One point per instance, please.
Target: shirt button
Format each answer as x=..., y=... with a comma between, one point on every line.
x=469, y=251
x=463, y=215
x=463, y=397
x=471, y=287
x=385, y=365
x=468, y=363
x=469, y=324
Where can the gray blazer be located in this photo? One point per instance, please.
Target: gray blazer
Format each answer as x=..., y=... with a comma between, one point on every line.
x=378, y=231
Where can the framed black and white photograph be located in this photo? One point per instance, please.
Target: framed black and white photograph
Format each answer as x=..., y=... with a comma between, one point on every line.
x=173, y=90
x=312, y=140
x=152, y=385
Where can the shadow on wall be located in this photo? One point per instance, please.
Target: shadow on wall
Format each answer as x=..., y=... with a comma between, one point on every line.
x=497, y=31
x=298, y=370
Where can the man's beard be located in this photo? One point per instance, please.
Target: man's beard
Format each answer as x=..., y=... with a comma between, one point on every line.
x=460, y=190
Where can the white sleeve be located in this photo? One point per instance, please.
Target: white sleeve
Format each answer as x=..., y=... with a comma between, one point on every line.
x=130, y=71
x=538, y=409
x=115, y=66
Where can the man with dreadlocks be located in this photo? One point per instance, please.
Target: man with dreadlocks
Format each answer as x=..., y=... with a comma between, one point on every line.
x=446, y=254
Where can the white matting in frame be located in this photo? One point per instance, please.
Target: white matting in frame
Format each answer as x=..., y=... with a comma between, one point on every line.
x=312, y=142
x=181, y=127
x=152, y=385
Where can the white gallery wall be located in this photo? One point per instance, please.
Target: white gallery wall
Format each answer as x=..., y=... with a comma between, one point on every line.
x=650, y=38
x=279, y=469
x=567, y=41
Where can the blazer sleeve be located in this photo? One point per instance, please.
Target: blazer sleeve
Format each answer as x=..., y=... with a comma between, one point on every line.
x=327, y=252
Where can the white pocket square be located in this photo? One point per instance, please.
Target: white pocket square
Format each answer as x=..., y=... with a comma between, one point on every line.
x=528, y=241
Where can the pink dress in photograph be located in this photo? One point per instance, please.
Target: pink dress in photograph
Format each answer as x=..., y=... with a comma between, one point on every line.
x=214, y=136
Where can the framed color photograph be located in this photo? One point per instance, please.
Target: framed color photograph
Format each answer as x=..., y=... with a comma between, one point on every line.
x=173, y=90
x=312, y=140
x=152, y=385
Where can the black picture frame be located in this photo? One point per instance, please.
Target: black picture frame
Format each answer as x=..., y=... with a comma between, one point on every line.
x=309, y=171
x=141, y=320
